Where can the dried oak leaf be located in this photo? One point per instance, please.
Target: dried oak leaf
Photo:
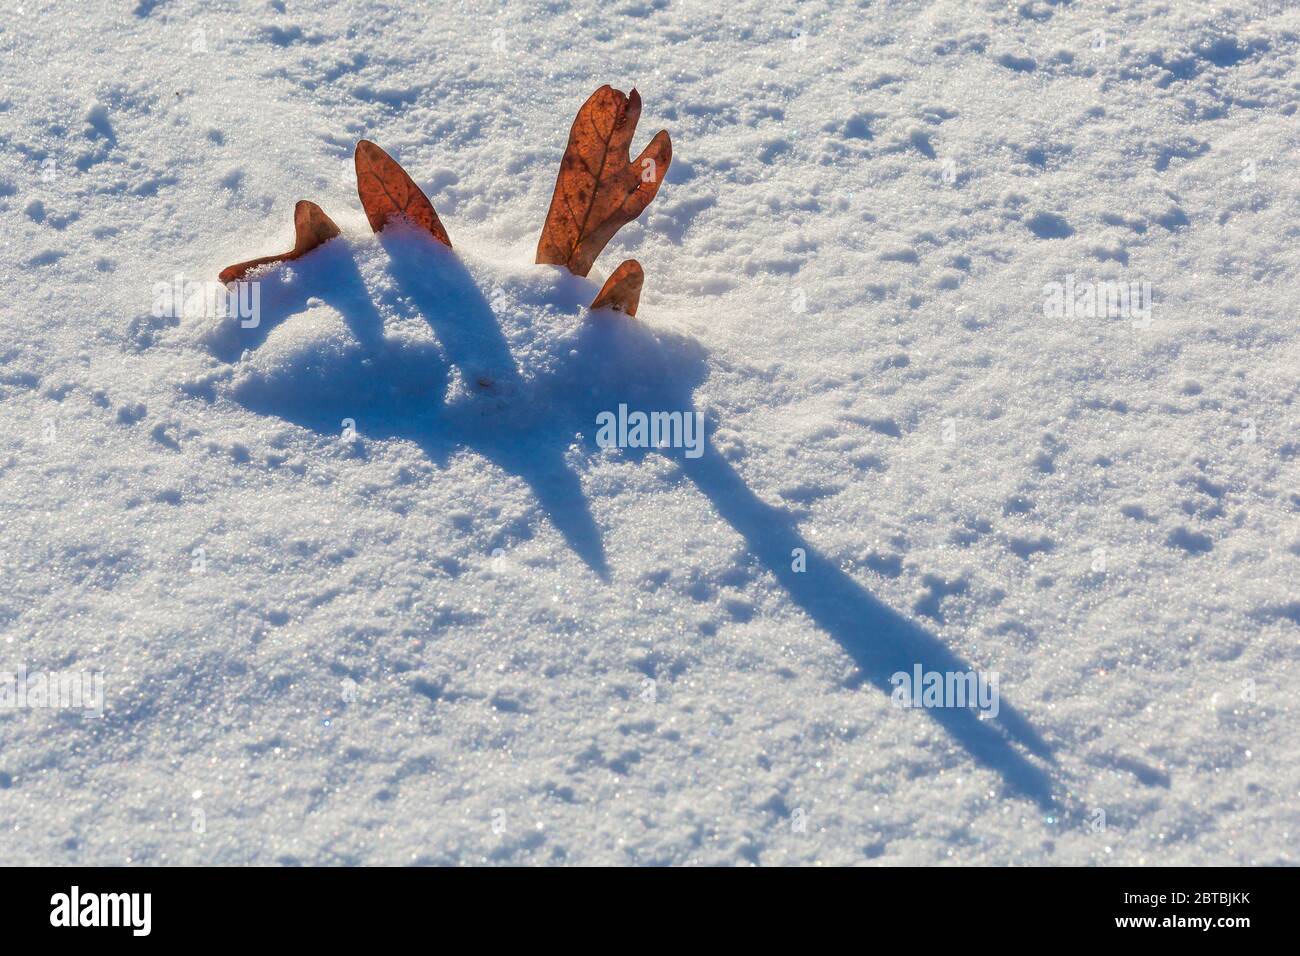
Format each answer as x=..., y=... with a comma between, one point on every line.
x=597, y=190
x=311, y=228
x=622, y=290
x=387, y=192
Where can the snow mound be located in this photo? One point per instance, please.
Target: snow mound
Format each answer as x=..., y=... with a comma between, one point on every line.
x=399, y=338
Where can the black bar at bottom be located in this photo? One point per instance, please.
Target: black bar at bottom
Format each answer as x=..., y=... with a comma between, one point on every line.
x=334, y=906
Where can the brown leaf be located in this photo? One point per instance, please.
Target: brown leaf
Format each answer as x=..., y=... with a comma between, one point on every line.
x=387, y=192
x=622, y=290
x=598, y=191
x=311, y=228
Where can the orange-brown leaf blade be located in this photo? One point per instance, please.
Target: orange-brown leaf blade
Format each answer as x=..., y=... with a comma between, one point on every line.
x=622, y=290
x=311, y=229
x=598, y=189
x=388, y=193
x=240, y=269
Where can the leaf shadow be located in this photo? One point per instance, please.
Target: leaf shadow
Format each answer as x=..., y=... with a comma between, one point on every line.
x=526, y=426
x=445, y=293
x=880, y=641
x=330, y=274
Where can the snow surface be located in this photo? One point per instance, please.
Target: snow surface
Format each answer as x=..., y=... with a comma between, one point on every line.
x=433, y=642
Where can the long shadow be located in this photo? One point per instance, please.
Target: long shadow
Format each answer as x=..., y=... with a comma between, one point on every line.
x=448, y=297
x=394, y=390
x=446, y=294
x=661, y=373
x=525, y=428
x=880, y=641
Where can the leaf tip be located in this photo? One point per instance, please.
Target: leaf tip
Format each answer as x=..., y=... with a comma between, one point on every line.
x=388, y=192
x=622, y=290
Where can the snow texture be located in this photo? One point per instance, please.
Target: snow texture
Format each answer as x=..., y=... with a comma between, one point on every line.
x=364, y=588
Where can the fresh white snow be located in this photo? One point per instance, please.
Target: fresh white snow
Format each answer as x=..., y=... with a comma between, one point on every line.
x=362, y=586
